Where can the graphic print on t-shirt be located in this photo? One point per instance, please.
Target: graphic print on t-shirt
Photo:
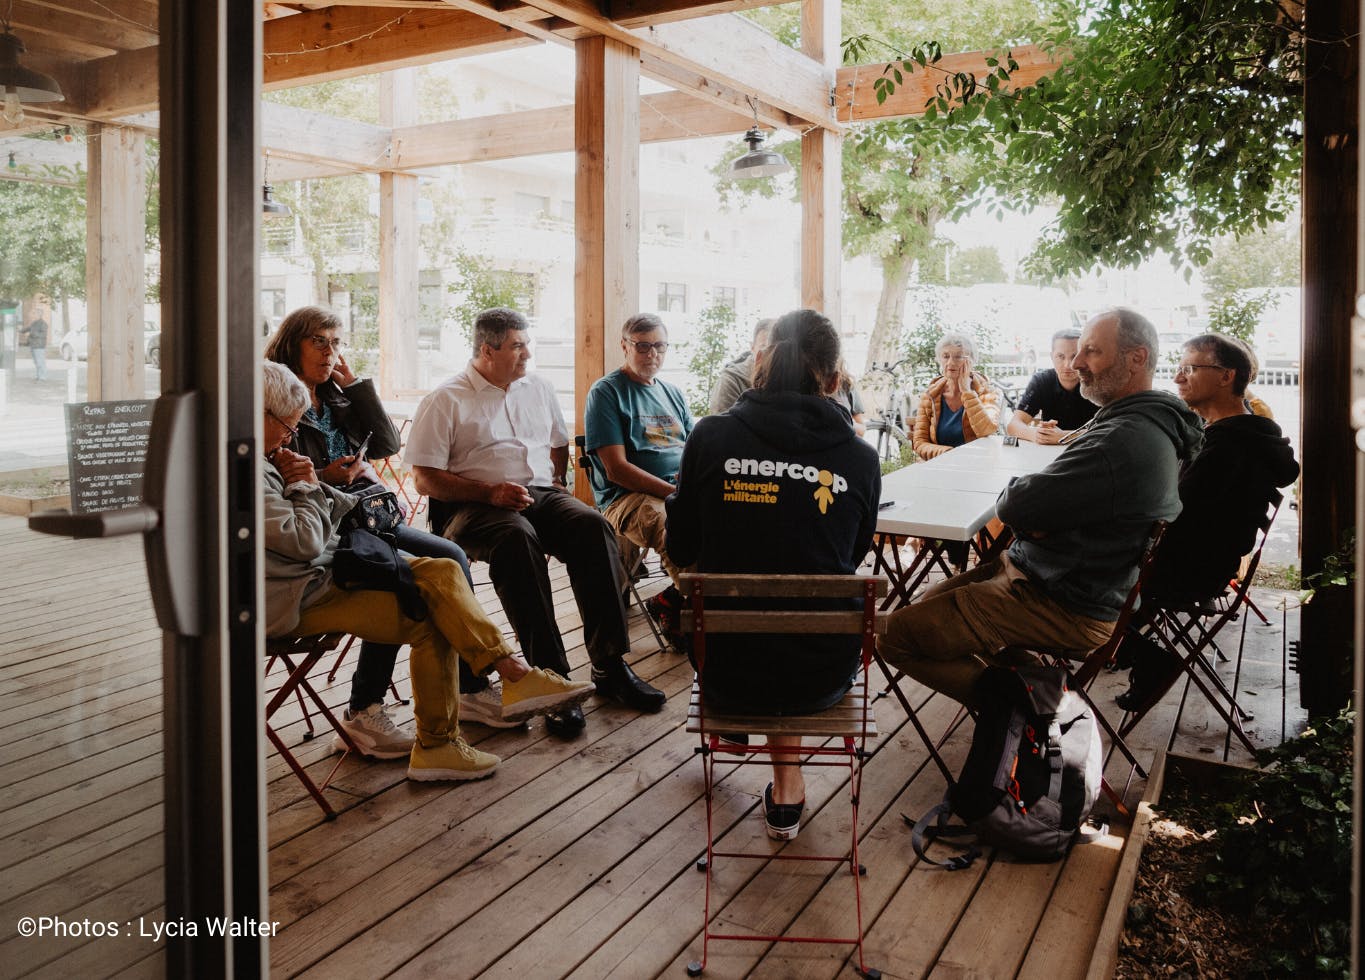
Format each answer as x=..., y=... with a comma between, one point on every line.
x=662, y=431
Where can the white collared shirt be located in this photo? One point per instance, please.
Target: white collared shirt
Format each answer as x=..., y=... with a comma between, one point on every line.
x=476, y=430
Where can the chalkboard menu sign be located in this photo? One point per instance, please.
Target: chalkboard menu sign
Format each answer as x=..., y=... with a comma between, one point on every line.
x=107, y=449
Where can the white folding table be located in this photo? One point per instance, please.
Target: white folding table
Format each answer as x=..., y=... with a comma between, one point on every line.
x=945, y=500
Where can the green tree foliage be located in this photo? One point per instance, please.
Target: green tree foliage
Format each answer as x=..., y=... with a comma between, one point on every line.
x=900, y=177
x=1170, y=122
x=1241, y=269
x=715, y=335
x=948, y=265
x=1237, y=313
x=332, y=214
x=1268, y=257
x=43, y=248
x=477, y=286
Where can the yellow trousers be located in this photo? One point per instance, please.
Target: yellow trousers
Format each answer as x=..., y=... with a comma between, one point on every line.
x=455, y=627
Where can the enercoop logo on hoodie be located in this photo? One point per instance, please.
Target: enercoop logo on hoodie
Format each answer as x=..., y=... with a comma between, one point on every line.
x=765, y=491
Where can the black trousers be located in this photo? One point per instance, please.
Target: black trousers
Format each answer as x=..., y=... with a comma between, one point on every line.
x=515, y=543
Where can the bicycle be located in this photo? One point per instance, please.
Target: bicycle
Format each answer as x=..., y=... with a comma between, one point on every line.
x=890, y=405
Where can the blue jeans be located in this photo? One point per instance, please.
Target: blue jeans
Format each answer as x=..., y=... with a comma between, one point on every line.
x=39, y=362
x=374, y=668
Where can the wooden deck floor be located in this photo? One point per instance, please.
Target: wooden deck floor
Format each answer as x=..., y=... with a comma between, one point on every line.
x=575, y=859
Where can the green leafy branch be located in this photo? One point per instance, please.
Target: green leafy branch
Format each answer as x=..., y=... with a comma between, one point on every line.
x=1338, y=569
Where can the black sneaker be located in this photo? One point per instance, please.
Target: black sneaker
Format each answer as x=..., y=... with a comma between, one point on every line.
x=783, y=819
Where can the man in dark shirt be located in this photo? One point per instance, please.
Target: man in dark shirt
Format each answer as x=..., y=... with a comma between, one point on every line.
x=37, y=347
x=1224, y=493
x=1052, y=405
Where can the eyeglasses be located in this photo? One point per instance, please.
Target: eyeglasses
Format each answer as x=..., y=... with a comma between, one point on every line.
x=1188, y=369
x=644, y=346
x=293, y=432
x=322, y=344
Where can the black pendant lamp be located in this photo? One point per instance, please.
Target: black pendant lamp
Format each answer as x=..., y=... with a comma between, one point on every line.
x=270, y=207
x=758, y=162
x=19, y=84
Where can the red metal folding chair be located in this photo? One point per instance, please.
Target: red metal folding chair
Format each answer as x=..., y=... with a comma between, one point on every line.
x=300, y=656
x=844, y=727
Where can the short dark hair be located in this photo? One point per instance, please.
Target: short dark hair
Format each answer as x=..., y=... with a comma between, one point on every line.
x=492, y=325
x=802, y=354
x=1066, y=333
x=1226, y=353
x=287, y=344
x=643, y=323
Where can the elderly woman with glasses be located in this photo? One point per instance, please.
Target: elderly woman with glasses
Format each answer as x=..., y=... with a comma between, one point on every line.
x=342, y=411
x=302, y=519
x=960, y=405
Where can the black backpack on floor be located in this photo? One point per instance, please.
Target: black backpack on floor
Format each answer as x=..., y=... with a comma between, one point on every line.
x=1031, y=775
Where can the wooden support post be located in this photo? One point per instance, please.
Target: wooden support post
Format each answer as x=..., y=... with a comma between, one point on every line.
x=115, y=222
x=821, y=175
x=1330, y=216
x=606, y=209
x=398, y=256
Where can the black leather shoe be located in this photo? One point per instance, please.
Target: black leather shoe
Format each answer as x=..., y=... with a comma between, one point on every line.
x=566, y=723
x=619, y=683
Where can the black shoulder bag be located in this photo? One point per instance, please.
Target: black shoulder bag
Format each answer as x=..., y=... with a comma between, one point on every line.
x=368, y=558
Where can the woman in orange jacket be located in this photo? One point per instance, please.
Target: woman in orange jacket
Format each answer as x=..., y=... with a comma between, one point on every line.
x=958, y=406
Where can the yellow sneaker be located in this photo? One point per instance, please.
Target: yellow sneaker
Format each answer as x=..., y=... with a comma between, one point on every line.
x=452, y=760
x=541, y=692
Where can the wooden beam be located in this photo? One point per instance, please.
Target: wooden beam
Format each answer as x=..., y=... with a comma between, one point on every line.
x=343, y=42
x=643, y=13
x=398, y=258
x=857, y=102
x=821, y=176
x=740, y=54
x=719, y=55
x=292, y=133
x=303, y=49
x=663, y=116
x=115, y=285
x=606, y=208
x=1327, y=501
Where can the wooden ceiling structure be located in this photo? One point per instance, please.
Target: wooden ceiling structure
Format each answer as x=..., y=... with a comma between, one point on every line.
x=722, y=71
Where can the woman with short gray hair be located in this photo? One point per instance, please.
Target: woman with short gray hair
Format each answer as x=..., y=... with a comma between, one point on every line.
x=960, y=405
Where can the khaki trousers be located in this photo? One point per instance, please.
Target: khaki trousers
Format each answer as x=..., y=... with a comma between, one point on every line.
x=962, y=625
x=640, y=519
x=455, y=627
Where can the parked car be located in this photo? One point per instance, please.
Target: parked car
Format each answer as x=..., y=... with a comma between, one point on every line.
x=75, y=344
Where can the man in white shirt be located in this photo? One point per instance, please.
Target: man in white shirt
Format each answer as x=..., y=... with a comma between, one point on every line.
x=489, y=448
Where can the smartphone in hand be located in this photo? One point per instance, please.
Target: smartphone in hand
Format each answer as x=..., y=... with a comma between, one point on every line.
x=364, y=445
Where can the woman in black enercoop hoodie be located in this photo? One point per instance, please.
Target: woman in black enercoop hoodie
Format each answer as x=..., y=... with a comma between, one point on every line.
x=779, y=484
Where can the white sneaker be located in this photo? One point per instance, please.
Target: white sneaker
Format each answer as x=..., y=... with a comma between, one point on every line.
x=374, y=733
x=485, y=707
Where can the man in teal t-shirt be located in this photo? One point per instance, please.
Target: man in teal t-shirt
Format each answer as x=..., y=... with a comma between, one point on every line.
x=636, y=425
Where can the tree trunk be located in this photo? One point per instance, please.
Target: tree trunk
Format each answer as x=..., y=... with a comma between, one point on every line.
x=884, y=344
